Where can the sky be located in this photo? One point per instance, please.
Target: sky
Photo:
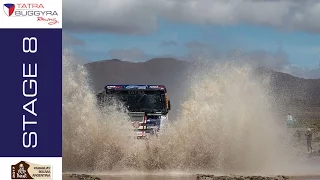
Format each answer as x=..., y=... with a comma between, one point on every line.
x=283, y=35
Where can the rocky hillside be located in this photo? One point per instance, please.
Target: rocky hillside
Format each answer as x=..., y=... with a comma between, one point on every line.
x=299, y=94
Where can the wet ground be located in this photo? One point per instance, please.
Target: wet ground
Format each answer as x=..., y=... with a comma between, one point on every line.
x=183, y=177
x=312, y=160
x=130, y=177
x=314, y=163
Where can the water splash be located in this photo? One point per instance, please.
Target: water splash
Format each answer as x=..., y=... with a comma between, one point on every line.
x=227, y=124
x=90, y=136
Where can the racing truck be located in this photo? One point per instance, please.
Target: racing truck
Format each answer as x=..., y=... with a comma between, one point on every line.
x=147, y=106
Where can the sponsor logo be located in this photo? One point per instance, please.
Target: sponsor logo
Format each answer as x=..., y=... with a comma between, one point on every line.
x=36, y=10
x=136, y=124
x=136, y=87
x=8, y=9
x=51, y=21
x=26, y=170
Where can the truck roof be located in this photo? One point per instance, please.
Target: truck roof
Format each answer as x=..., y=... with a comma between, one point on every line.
x=134, y=86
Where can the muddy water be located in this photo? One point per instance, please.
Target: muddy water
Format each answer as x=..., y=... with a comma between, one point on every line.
x=140, y=177
x=170, y=177
x=227, y=123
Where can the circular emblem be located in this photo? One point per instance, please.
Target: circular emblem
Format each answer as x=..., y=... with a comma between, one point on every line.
x=136, y=124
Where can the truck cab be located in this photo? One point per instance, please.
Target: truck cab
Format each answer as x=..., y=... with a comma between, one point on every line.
x=148, y=105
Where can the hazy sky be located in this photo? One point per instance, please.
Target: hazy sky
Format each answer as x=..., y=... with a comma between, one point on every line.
x=281, y=34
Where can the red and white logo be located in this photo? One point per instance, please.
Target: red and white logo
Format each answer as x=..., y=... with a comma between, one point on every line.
x=136, y=124
x=31, y=10
x=8, y=9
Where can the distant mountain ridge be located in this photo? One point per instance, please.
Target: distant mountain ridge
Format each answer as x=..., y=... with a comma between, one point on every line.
x=173, y=73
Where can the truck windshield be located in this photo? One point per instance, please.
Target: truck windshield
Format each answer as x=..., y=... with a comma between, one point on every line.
x=140, y=100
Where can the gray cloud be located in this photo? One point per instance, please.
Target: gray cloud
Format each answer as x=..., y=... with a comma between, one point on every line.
x=200, y=54
x=125, y=16
x=313, y=73
x=196, y=44
x=77, y=57
x=69, y=40
x=140, y=16
x=133, y=54
x=168, y=43
x=80, y=59
x=276, y=61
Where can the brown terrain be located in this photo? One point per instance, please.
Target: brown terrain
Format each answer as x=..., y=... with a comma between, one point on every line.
x=191, y=177
x=300, y=97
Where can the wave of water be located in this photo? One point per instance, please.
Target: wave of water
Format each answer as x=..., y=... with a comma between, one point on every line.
x=227, y=124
